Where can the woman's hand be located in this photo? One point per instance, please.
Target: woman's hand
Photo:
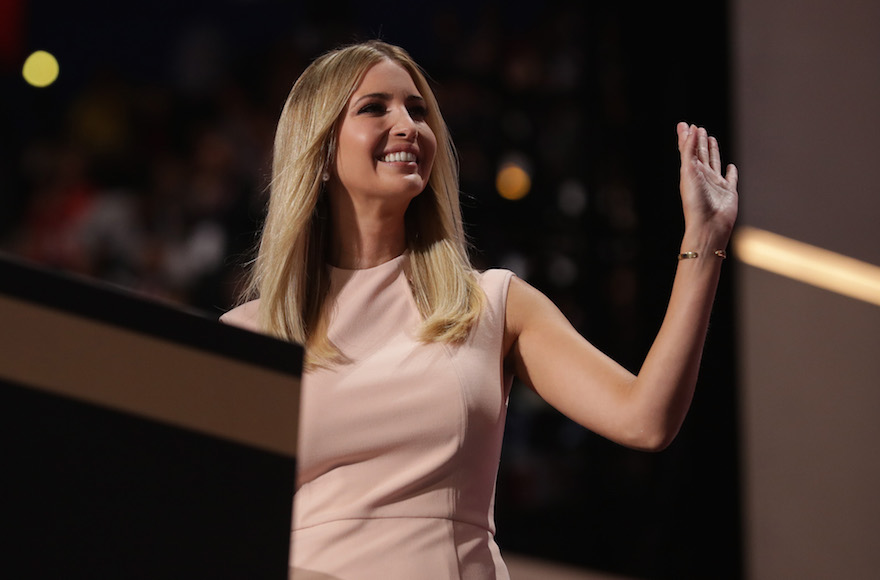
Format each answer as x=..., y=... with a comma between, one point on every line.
x=709, y=199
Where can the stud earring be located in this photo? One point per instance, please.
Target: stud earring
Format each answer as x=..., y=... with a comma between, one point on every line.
x=325, y=176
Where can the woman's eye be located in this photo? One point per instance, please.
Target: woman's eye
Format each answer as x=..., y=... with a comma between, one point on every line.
x=372, y=109
x=418, y=113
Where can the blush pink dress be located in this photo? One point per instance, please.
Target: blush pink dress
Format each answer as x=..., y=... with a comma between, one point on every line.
x=399, y=450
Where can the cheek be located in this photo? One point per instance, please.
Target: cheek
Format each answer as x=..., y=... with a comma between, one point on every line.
x=353, y=151
x=429, y=147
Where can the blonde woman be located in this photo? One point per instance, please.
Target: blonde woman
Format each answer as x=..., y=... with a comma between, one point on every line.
x=410, y=353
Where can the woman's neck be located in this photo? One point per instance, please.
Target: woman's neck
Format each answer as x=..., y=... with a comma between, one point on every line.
x=363, y=239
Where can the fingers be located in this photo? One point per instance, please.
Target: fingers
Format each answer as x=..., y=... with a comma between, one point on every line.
x=683, y=130
x=714, y=155
x=695, y=141
x=702, y=145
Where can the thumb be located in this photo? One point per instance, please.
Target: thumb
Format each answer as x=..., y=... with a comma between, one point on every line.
x=732, y=175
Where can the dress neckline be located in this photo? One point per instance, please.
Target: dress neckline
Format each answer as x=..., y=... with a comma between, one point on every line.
x=392, y=264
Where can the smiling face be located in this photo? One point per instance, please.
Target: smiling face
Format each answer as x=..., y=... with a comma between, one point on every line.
x=385, y=148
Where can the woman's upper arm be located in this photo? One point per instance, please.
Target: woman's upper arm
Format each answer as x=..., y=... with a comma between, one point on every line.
x=548, y=354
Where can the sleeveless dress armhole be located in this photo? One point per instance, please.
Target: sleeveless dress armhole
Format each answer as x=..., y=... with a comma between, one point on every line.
x=243, y=316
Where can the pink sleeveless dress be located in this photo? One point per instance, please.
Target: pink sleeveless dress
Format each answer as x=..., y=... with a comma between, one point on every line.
x=399, y=450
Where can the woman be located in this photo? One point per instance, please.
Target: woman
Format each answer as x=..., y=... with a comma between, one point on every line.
x=411, y=353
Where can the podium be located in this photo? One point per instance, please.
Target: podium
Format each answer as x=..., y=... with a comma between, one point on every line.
x=138, y=440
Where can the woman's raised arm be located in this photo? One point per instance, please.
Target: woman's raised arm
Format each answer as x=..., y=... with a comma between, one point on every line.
x=643, y=411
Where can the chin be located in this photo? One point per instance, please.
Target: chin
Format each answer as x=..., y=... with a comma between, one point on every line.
x=411, y=188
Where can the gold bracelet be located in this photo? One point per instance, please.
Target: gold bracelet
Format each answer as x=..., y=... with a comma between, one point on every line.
x=688, y=255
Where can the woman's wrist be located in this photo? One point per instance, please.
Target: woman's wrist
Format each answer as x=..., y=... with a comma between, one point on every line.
x=704, y=243
x=702, y=239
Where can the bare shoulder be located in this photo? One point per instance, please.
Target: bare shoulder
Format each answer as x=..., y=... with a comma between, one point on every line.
x=525, y=302
x=244, y=316
x=528, y=310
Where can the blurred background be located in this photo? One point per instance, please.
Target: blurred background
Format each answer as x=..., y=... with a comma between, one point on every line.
x=145, y=165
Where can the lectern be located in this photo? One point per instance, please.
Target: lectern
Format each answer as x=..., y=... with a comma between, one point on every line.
x=138, y=440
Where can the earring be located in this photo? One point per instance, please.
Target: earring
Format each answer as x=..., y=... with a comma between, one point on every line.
x=325, y=176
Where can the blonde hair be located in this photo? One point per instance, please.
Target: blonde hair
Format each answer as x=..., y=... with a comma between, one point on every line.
x=290, y=274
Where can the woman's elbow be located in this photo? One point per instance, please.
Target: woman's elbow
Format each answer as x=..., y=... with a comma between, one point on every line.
x=651, y=440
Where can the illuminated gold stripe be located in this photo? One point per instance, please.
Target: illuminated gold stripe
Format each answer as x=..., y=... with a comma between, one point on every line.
x=143, y=375
x=809, y=264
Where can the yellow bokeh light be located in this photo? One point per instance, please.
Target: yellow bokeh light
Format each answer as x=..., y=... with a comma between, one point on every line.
x=513, y=182
x=40, y=69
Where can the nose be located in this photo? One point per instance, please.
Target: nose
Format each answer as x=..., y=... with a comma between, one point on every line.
x=404, y=125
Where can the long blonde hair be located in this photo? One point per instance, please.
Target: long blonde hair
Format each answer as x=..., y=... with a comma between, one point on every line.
x=290, y=275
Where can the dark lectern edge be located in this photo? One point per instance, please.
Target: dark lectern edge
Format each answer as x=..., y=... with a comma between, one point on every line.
x=109, y=304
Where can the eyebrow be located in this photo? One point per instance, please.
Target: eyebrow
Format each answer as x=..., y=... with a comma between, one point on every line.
x=386, y=97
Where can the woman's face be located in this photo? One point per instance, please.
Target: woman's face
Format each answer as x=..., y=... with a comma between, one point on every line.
x=385, y=148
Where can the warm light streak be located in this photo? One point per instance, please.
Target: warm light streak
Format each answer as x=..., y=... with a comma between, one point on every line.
x=809, y=264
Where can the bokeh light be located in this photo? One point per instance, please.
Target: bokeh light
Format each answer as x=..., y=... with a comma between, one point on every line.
x=562, y=271
x=513, y=182
x=572, y=198
x=40, y=69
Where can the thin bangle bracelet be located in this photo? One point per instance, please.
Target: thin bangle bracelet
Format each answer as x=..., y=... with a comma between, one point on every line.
x=688, y=255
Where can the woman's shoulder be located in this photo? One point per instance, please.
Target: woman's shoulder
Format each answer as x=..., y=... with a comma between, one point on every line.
x=495, y=283
x=243, y=316
x=494, y=277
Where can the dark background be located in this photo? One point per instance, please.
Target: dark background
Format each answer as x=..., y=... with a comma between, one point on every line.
x=146, y=164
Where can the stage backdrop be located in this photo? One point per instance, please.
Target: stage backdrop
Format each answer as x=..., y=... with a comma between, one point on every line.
x=807, y=87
